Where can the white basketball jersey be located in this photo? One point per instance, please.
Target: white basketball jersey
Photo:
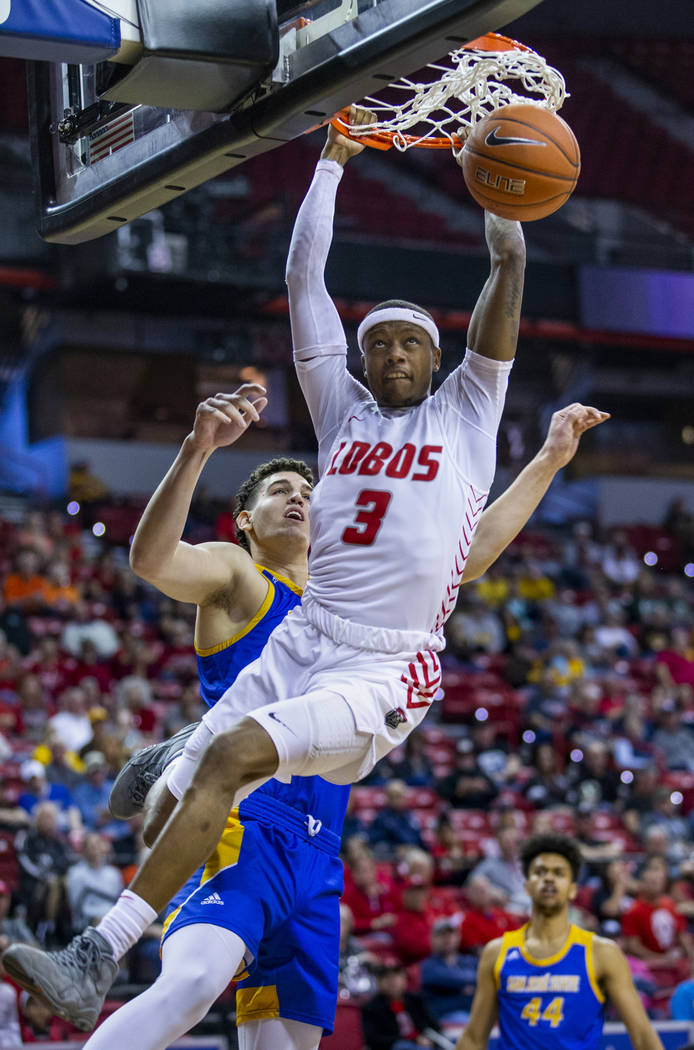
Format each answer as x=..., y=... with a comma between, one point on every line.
x=401, y=492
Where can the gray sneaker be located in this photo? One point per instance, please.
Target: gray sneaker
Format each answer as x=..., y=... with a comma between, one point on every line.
x=140, y=772
x=73, y=981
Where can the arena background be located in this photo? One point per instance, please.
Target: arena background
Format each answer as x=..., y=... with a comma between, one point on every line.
x=581, y=637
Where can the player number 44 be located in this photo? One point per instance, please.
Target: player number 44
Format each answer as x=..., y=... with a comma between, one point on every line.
x=368, y=520
x=554, y=1012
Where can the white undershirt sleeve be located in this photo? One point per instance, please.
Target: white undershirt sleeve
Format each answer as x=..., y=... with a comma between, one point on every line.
x=472, y=398
x=320, y=346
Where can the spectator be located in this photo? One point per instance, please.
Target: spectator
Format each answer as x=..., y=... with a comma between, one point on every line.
x=447, y=975
x=91, y=798
x=60, y=765
x=665, y=820
x=411, y=932
x=417, y=863
x=394, y=826
x=37, y=790
x=631, y=748
x=71, y=723
x=10, y=1030
x=592, y=780
x=679, y=521
x=83, y=485
x=353, y=826
x=652, y=929
x=44, y=859
x=12, y=815
x=368, y=896
x=587, y=718
x=356, y=965
x=548, y=785
x=13, y=929
x=483, y=920
x=565, y=662
x=505, y=872
x=25, y=588
x=83, y=624
x=614, y=896
x=14, y=626
x=396, y=1019
x=613, y=638
x=90, y=665
x=492, y=754
x=134, y=696
x=34, y=707
x=467, y=786
x=546, y=709
x=619, y=562
x=61, y=595
x=673, y=739
x=93, y=885
x=53, y=668
x=415, y=768
x=596, y=852
x=475, y=628
x=640, y=799
x=451, y=863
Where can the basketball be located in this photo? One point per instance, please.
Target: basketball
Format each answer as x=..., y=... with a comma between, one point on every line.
x=521, y=162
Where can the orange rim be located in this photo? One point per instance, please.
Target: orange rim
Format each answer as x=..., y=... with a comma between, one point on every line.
x=384, y=139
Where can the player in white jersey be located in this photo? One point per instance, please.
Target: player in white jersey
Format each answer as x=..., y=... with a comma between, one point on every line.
x=346, y=677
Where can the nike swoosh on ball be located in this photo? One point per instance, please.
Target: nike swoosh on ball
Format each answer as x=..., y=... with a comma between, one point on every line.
x=493, y=139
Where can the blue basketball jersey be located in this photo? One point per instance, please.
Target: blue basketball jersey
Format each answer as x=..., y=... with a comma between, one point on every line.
x=554, y=1003
x=219, y=666
x=275, y=878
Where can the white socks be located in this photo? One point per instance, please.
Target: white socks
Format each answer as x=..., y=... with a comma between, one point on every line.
x=125, y=923
x=180, y=772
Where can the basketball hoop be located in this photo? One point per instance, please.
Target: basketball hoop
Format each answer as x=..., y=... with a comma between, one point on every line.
x=439, y=113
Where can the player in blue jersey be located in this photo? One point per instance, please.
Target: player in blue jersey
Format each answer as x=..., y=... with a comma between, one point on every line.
x=547, y=983
x=271, y=888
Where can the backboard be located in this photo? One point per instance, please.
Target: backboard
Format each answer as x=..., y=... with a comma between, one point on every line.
x=114, y=160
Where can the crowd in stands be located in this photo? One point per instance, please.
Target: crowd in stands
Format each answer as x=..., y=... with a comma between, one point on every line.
x=567, y=704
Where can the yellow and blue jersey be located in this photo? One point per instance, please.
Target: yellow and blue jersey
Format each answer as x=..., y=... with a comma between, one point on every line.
x=275, y=878
x=554, y=1003
x=219, y=666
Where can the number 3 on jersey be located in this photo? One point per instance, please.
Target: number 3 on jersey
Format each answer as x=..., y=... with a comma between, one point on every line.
x=554, y=1012
x=368, y=521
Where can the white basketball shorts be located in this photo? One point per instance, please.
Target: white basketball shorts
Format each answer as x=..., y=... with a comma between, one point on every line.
x=332, y=708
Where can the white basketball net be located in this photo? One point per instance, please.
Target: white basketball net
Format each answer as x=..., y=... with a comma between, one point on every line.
x=469, y=89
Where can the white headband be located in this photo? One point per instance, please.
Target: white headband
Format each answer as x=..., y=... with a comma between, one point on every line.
x=397, y=313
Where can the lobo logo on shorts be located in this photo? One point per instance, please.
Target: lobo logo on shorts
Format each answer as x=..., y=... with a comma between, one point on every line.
x=395, y=717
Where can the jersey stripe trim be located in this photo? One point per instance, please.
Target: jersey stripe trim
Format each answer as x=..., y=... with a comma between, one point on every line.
x=587, y=940
x=568, y=943
x=282, y=579
x=267, y=602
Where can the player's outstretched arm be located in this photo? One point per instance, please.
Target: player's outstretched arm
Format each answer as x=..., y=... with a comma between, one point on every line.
x=495, y=320
x=183, y=571
x=503, y=520
x=614, y=975
x=484, y=1006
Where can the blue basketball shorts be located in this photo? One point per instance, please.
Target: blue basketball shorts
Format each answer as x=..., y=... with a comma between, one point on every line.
x=279, y=890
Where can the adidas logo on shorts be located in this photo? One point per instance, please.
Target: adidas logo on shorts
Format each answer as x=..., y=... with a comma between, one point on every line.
x=213, y=898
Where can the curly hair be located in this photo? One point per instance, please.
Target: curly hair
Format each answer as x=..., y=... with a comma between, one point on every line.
x=248, y=491
x=551, y=842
